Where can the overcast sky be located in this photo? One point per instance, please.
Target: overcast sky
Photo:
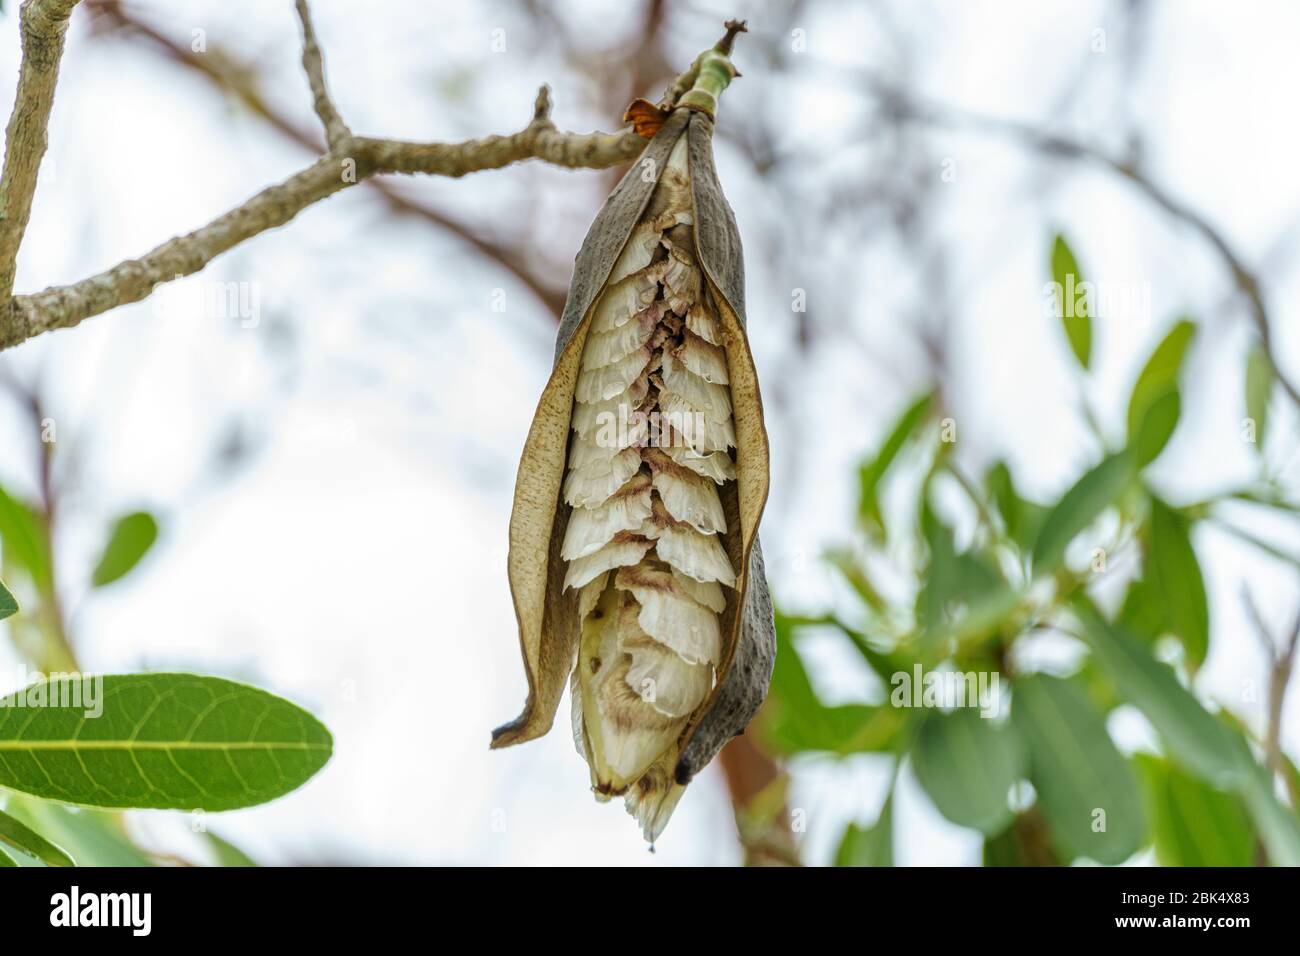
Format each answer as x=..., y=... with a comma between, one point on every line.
x=357, y=563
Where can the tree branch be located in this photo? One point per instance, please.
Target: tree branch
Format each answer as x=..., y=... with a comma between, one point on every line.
x=351, y=159
x=130, y=281
x=1281, y=659
x=1052, y=144
x=538, y=140
x=238, y=79
x=44, y=24
x=313, y=64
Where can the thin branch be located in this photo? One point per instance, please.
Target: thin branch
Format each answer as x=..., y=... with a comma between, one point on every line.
x=539, y=140
x=231, y=77
x=1281, y=659
x=130, y=281
x=44, y=24
x=313, y=63
x=55, y=652
x=134, y=279
x=1052, y=144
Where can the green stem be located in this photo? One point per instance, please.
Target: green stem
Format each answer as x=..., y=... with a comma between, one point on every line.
x=713, y=72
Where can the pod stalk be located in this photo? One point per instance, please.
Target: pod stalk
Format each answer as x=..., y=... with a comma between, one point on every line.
x=713, y=71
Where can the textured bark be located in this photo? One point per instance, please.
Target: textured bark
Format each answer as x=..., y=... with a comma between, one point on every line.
x=237, y=78
x=313, y=64
x=358, y=159
x=350, y=159
x=44, y=24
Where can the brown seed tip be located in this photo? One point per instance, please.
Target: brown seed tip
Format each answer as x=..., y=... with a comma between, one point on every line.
x=733, y=27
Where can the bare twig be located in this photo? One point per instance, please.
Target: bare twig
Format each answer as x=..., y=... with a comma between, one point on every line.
x=238, y=79
x=135, y=279
x=539, y=140
x=1281, y=659
x=313, y=63
x=1051, y=144
x=55, y=652
x=734, y=27
x=44, y=24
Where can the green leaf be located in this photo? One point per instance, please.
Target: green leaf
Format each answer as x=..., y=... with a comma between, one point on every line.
x=1086, y=789
x=843, y=560
x=968, y=764
x=8, y=604
x=869, y=846
x=885, y=662
x=1194, y=738
x=1157, y=427
x=795, y=719
x=1292, y=774
x=1021, y=517
x=22, y=538
x=1004, y=849
x=167, y=741
x=1072, y=306
x=1175, y=578
x=22, y=837
x=1260, y=378
x=226, y=853
x=1154, y=406
x=6, y=860
x=870, y=473
x=790, y=686
x=93, y=837
x=1092, y=494
x=1193, y=824
x=1143, y=611
x=842, y=729
x=964, y=597
x=1267, y=500
x=1278, y=827
x=949, y=577
x=129, y=541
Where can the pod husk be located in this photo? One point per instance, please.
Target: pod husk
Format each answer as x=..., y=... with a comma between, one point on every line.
x=549, y=629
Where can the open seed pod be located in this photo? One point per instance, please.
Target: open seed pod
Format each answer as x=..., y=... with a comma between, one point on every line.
x=634, y=559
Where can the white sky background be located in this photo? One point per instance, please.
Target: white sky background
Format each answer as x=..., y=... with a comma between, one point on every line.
x=357, y=564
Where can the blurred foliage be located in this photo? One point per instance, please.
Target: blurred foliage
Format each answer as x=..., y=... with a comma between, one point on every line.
x=8, y=604
x=1109, y=573
x=129, y=541
x=167, y=741
x=1072, y=306
x=21, y=837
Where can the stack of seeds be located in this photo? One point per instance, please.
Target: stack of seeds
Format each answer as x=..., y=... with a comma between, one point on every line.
x=652, y=433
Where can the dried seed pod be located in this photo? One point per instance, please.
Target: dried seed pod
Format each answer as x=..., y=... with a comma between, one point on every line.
x=634, y=558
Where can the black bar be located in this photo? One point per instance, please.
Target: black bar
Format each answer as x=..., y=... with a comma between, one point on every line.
x=330, y=905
